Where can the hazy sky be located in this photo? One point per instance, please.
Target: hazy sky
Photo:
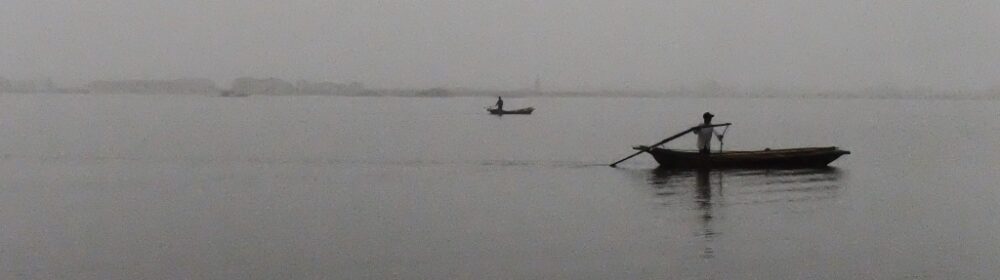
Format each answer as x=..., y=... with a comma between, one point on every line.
x=571, y=44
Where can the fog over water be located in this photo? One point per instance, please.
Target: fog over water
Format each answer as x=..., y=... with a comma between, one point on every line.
x=284, y=139
x=571, y=45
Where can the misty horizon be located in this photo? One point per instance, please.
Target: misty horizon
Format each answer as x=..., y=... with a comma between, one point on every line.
x=572, y=46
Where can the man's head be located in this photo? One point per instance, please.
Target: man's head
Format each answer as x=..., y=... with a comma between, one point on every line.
x=707, y=116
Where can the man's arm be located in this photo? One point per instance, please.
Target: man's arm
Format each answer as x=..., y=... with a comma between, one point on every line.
x=712, y=127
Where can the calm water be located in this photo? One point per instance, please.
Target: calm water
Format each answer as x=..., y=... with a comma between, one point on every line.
x=189, y=187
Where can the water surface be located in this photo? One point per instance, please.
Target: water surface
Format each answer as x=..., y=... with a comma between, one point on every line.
x=190, y=187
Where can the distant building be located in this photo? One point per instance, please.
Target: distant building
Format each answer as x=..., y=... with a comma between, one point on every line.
x=182, y=86
x=270, y=86
x=538, y=84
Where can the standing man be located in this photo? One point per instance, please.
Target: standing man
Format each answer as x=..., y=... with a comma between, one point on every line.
x=705, y=134
x=499, y=103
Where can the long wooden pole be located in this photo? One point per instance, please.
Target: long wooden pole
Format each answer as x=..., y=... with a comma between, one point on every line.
x=671, y=138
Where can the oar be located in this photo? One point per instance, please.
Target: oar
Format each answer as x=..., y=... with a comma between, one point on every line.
x=671, y=138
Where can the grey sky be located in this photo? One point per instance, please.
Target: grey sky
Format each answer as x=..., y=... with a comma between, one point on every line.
x=571, y=44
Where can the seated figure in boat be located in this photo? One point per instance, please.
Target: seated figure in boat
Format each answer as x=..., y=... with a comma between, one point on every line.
x=705, y=134
x=499, y=103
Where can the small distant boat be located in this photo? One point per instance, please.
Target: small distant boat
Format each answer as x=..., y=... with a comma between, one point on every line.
x=523, y=111
x=778, y=158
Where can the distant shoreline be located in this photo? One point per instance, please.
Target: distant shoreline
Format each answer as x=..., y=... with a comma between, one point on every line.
x=412, y=93
x=249, y=86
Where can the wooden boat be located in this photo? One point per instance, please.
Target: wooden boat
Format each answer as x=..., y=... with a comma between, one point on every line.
x=523, y=111
x=778, y=158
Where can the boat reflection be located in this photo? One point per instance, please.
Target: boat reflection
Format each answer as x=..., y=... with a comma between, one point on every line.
x=748, y=186
x=710, y=191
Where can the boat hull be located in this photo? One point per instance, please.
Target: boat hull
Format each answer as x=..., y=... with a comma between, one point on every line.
x=779, y=158
x=524, y=111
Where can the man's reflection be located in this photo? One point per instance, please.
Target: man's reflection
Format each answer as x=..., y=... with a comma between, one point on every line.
x=703, y=196
x=704, y=191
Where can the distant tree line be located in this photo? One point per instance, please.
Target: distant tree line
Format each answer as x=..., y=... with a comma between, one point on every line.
x=273, y=86
x=247, y=86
